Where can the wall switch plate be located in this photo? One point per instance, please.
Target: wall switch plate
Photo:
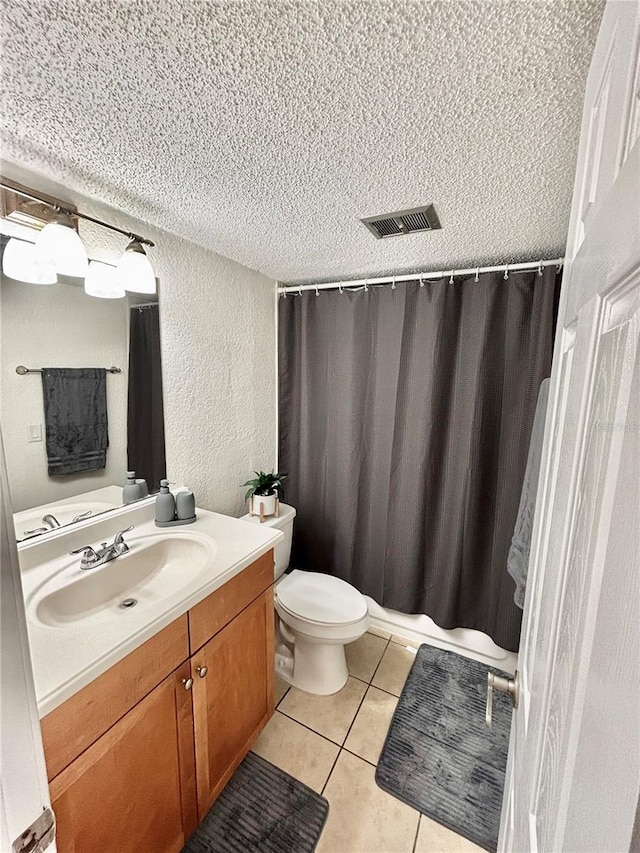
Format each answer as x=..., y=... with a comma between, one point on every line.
x=34, y=432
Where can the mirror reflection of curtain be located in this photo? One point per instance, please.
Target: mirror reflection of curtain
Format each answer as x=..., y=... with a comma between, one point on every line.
x=145, y=416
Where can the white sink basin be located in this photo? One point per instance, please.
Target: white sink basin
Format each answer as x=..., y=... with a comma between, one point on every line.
x=156, y=567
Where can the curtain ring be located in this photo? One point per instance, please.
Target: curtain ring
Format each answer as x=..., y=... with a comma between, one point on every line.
x=317, y=291
x=477, y=278
x=421, y=282
x=506, y=273
x=300, y=291
x=451, y=279
x=340, y=288
x=366, y=285
x=559, y=267
x=284, y=293
x=540, y=268
x=393, y=283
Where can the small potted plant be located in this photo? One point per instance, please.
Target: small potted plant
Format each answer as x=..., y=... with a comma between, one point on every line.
x=265, y=490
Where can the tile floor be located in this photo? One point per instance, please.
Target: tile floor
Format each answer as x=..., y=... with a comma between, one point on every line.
x=332, y=744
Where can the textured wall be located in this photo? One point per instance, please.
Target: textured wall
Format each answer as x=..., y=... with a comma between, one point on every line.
x=217, y=325
x=265, y=129
x=57, y=326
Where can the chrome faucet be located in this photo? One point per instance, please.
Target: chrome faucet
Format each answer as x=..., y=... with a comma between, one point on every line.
x=91, y=558
x=51, y=520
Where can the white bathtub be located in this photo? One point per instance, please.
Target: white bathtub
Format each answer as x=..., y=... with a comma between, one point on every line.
x=422, y=629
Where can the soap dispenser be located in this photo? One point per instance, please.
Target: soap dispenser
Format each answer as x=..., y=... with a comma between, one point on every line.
x=165, y=504
x=132, y=490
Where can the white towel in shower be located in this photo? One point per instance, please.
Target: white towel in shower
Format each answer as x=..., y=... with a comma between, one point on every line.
x=518, y=559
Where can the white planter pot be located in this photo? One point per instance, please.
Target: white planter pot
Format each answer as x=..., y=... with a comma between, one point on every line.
x=268, y=502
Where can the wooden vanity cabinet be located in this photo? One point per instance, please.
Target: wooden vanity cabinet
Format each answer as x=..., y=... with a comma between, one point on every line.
x=150, y=744
x=133, y=790
x=234, y=700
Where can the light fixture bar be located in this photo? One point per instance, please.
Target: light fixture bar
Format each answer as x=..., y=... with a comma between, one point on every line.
x=77, y=213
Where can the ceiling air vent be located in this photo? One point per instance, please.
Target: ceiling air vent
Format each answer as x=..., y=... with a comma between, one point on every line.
x=403, y=222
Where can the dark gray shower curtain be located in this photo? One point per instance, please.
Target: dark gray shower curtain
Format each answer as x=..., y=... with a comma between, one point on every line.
x=405, y=417
x=145, y=416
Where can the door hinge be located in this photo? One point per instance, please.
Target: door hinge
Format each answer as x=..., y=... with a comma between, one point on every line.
x=38, y=836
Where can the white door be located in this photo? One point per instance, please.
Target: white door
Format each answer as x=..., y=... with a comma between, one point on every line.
x=573, y=776
x=24, y=792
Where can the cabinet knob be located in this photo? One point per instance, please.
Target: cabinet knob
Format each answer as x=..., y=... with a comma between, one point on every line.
x=188, y=683
x=202, y=671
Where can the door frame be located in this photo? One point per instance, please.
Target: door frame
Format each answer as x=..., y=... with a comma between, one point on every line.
x=24, y=789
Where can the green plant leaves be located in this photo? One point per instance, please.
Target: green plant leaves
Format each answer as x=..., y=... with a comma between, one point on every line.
x=265, y=483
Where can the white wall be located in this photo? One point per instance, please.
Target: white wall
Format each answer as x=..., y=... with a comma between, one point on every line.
x=217, y=326
x=58, y=326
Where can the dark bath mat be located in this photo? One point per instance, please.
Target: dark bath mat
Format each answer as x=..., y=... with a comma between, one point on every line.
x=439, y=757
x=263, y=809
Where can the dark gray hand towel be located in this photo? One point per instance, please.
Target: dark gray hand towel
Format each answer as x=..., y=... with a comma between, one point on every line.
x=75, y=414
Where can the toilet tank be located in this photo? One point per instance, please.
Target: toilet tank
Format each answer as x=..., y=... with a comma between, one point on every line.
x=283, y=522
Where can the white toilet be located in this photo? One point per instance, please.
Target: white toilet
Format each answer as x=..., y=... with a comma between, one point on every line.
x=317, y=616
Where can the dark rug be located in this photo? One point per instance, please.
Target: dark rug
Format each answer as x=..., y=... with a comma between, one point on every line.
x=264, y=809
x=439, y=757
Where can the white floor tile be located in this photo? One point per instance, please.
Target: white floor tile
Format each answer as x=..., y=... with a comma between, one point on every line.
x=371, y=725
x=330, y=716
x=364, y=655
x=435, y=838
x=303, y=754
x=362, y=817
x=394, y=668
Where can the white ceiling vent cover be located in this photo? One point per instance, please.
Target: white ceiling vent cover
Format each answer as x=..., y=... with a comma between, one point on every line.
x=403, y=222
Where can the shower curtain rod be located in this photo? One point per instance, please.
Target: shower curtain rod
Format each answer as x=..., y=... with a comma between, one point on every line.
x=420, y=276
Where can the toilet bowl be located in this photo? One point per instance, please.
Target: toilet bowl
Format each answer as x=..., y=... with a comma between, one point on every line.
x=317, y=615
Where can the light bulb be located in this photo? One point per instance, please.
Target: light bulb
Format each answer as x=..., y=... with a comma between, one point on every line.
x=134, y=270
x=102, y=281
x=59, y=243
x=20, y=262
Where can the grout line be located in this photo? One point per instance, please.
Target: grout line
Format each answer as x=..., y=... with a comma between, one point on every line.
x=326, y=781
x=354, y=716
x=379, y=662
x=415, y=840
x=313, y=731
x=282, y=697
x=355, y=755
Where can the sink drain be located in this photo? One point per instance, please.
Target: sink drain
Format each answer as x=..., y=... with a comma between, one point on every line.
x=128, y=602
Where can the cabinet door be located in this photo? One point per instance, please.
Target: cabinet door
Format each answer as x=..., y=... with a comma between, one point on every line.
x=133, y=790
x=233, y=700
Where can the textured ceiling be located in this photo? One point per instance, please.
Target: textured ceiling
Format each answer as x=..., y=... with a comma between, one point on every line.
x=265, y=129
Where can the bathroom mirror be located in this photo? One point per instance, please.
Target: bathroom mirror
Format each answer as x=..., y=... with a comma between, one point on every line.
x=62, y=326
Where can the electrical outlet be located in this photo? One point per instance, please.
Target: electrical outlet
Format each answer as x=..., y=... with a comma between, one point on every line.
x=34, y=432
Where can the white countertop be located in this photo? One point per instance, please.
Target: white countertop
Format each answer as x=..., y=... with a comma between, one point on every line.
x=68, y=657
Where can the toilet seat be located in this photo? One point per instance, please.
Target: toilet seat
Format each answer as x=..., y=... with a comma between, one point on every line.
x=320, y=599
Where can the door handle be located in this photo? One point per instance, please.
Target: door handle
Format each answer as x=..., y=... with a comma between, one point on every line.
x=188, y=683
x=510, y=686
x=202, y=671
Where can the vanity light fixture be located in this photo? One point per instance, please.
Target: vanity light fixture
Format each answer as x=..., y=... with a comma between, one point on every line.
x=21, y=263
x=103, y=281
x=135, y=271
x=60, y=244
